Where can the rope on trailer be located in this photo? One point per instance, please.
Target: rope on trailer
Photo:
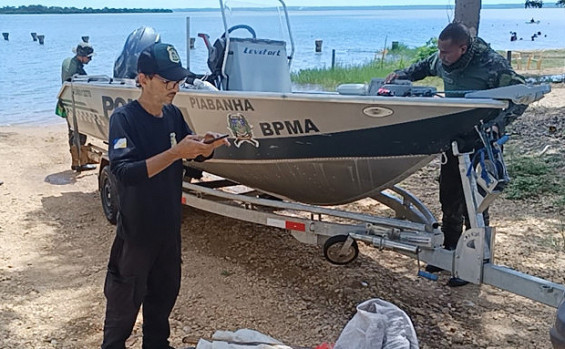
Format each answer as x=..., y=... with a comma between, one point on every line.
x=492, y=151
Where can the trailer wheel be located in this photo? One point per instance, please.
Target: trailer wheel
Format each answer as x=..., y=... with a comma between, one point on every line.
x=109, y=195
x=333, y=250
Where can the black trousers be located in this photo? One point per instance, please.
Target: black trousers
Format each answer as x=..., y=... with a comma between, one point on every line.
x=452, y=199
x=141, y=274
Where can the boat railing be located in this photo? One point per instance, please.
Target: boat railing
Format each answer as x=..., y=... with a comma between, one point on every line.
x=103, y=78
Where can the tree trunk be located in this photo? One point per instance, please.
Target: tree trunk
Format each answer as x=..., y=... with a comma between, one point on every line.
x=468, y=13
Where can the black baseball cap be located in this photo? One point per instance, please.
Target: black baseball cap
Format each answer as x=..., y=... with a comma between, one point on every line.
x=162, y=59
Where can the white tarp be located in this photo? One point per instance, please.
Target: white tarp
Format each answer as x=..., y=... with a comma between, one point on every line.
x=378, y=325
x=240, y=339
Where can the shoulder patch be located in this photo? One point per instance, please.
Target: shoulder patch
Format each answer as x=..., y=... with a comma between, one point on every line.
x=120, y=143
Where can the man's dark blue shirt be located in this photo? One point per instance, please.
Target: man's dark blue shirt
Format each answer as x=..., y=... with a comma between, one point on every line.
x=149, y=208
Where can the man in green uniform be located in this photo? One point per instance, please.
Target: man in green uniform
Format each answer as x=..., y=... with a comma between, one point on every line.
x=465, y=64
x=75, y=66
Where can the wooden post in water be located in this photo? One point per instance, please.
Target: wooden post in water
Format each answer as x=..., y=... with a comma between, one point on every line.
x=6, y=36
x=333, y=58
x=188, y=43
x=41, y=39
x=34, y=36
x=318, y=45
x=509, y=57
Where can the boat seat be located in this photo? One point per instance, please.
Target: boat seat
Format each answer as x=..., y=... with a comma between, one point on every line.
x=256, y=65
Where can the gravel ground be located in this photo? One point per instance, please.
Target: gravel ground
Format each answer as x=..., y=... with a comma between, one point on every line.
x=55, y=245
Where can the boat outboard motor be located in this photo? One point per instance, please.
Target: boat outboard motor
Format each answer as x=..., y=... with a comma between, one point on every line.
x=126, y=64
x=216, y=56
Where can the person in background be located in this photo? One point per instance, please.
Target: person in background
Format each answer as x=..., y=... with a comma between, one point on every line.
x=148, y=140
x=75, y=66
x=465, y=64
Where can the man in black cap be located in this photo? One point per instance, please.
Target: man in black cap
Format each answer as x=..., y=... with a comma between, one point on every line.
x=75, y=66
x=148, y=138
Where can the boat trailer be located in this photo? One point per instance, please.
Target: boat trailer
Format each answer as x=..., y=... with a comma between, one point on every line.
x=413, y=231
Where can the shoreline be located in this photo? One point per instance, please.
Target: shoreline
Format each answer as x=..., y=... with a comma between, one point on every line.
x=44, y=124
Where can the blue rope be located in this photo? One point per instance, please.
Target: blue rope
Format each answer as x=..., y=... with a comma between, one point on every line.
x=484, y=173
x=481, y=154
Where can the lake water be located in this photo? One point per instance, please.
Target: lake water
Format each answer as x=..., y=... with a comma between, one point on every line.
x=30, y=73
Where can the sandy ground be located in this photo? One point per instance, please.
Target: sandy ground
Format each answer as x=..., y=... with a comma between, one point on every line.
x=55, y=243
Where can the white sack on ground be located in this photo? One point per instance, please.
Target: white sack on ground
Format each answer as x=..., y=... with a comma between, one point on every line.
x=248, y=339
x=378, y=325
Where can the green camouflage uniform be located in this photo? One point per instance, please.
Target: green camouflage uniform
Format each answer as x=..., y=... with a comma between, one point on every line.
x=71, y=66
x=479, y=68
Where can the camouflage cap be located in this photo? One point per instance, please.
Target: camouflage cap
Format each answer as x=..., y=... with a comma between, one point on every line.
x=84, y=49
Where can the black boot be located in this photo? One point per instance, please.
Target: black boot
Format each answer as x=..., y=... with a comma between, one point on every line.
x=86, y=167
x=456, y=282
x=432, y=269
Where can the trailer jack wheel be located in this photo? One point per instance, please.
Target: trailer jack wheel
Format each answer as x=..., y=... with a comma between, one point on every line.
x=341, y=249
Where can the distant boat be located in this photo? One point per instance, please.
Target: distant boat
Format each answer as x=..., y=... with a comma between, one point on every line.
x=532, y=22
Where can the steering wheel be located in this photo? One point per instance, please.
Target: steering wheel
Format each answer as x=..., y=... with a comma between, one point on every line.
x=241, y=26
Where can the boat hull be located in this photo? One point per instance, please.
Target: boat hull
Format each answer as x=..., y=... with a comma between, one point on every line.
x=330, y=181
x=316, y=148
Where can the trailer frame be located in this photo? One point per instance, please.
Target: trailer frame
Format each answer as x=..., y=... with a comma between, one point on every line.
x=413, y=231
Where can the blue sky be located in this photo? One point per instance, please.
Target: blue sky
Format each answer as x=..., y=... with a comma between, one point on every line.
x=214, y=3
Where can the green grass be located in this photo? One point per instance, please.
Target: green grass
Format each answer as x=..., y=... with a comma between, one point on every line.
x=535, y=176
x=330, y=78
x=399, y=58
x=226, y=273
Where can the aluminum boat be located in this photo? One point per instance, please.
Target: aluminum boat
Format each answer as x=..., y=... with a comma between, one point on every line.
x=322, y=148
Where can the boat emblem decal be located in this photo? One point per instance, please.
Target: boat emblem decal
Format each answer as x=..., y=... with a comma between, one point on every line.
x=241, y=130
x=377, y=112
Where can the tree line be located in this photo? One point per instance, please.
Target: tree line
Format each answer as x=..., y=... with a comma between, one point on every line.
x=539, y=3
x=40, y=9
x=533, y=4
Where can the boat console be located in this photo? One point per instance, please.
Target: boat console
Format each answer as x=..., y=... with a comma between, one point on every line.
x=250, y=60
